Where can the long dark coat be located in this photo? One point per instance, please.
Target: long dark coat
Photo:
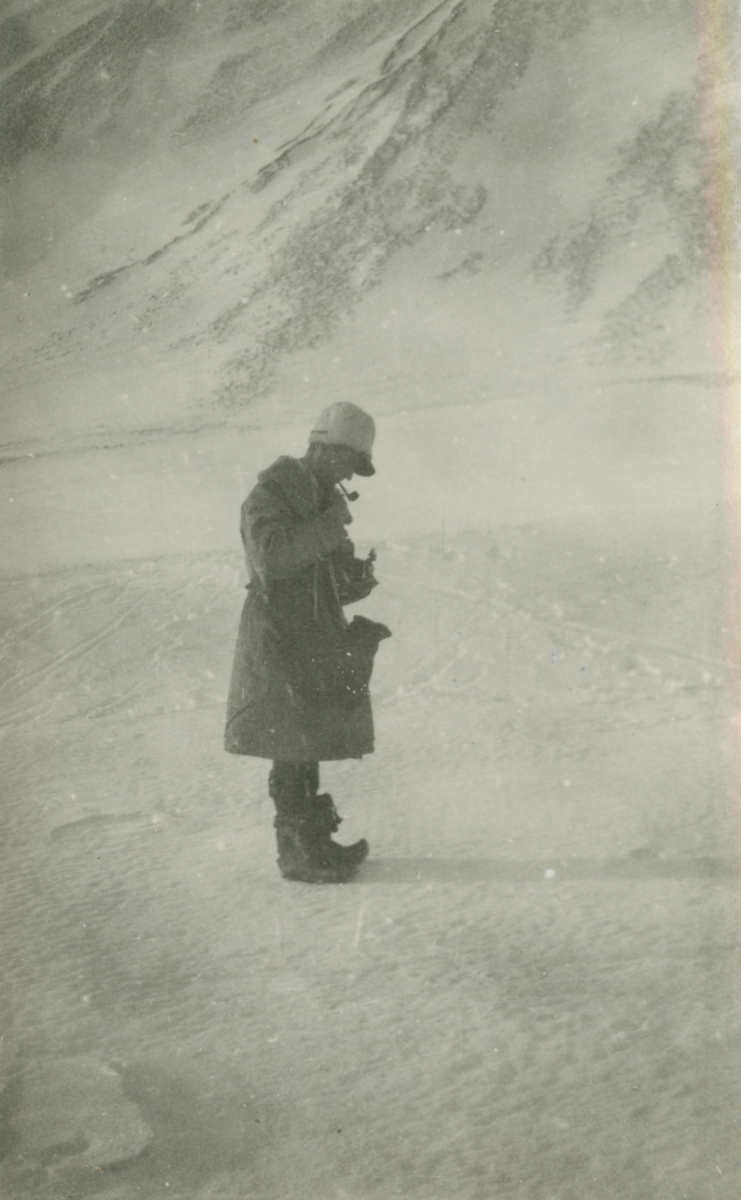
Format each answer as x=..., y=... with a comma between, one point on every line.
x=286, y=699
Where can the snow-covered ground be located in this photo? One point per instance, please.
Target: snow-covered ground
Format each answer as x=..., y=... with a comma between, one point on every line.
x=529, y=991
x=486, y=226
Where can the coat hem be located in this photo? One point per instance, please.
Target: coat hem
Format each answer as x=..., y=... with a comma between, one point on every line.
x=295, y=758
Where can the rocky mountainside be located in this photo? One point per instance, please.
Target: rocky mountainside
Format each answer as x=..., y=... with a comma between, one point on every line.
x=208, y=205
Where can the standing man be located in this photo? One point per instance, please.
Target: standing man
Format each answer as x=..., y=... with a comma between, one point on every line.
x=299, y=689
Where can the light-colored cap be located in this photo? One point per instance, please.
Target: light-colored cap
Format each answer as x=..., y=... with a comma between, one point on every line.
x=344, y=424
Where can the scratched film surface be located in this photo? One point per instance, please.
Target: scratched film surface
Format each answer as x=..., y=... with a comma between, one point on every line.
x=489, y=225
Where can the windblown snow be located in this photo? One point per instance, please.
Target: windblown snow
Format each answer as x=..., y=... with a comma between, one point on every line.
x=488, y=225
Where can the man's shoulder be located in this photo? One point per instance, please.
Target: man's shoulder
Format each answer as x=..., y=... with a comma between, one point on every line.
x=288, y=479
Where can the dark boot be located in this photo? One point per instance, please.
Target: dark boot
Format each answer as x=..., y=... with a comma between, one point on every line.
x=303, y=853
x=328, y=822
x=303, y=825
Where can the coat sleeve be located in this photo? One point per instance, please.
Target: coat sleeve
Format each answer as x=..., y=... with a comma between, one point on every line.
x=277, y=542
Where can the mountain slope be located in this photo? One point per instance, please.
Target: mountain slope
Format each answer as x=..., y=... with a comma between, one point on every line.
x=235, y=186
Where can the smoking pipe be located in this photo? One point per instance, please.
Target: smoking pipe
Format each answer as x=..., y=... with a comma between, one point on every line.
x=348, y=495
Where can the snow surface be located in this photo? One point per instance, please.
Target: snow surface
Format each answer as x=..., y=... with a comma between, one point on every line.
x=487, y=225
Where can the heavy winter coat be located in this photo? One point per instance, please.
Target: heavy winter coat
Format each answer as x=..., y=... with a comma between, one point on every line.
x=299, y=688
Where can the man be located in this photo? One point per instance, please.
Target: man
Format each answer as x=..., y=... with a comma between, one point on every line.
x=299, y=689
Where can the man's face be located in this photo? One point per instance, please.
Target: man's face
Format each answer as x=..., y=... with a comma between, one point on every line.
x=344, y=462
x=336, y=463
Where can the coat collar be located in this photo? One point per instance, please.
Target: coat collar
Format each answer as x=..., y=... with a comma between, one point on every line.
x=296, y=482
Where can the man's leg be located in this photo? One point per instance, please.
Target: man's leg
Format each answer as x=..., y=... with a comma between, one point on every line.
x=292, y=787
x=304, y=823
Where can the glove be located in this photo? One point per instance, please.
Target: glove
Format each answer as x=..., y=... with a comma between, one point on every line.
x=354, y=576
